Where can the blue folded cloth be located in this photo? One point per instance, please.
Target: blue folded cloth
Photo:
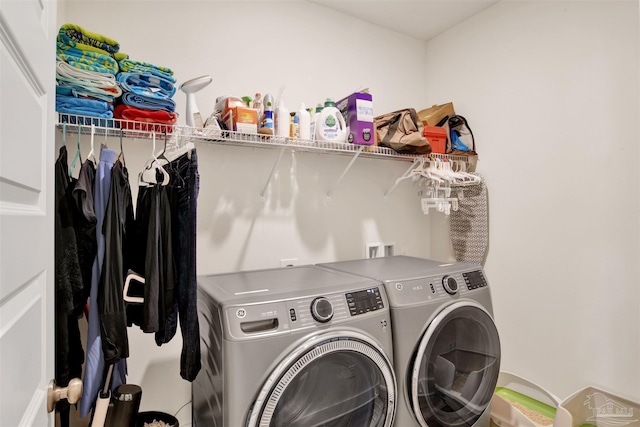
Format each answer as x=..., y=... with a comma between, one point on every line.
x=148, y=103
x=83, y=107
x=86, y=60
x=146, y=84
x=130, y=66
x=80, y=91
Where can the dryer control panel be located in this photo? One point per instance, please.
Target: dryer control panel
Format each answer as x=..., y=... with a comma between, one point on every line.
x=448, y=286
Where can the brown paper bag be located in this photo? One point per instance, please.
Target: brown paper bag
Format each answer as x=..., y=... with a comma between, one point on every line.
x=431, y=116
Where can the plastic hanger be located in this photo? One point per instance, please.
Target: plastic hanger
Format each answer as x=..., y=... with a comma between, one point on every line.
x=64, y=134
x=154, y=166
x=121, y=154
x=91, y=156
x=127, y=282
x=78, y=155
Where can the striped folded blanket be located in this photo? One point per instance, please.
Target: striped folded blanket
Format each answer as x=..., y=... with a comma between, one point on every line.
x=86, y=59
x=129, y=66
x=146, y=84
x=76, y=36
x=83, y=107
x=148, y=103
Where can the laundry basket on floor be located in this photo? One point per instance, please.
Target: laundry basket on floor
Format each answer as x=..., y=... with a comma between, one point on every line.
x=155, y=419
x=594, y=407
x=518, y=402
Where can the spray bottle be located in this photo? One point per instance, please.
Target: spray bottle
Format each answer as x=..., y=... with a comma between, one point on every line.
x=281, y=120
x=266, y=124
x=304, y=123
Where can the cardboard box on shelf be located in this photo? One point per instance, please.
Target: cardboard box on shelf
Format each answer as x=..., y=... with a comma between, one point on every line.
x=241, y=119
x=357, y=110
x=431, y=116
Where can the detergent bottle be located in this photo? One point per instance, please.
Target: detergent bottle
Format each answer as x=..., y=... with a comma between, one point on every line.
x=282, y=120
x=304, y=123
x=330, y=125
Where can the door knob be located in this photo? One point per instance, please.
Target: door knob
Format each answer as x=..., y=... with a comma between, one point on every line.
x=71, y=392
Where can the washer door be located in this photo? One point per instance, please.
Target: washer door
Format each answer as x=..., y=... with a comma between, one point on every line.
x=456, y=367
x=339, y=379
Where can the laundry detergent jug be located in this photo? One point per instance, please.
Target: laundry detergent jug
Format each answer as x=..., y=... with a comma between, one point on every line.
x=329, y=124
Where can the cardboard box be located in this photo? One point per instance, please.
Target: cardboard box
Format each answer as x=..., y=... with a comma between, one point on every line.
x=241, y=119
x=357, y=110
x=437, y=137
x=431, y=116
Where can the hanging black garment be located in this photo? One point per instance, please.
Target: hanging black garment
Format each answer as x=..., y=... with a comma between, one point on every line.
x=68, y=286
x=85, y=223
x=153, y=259
x=118, y=223
x=185, y=180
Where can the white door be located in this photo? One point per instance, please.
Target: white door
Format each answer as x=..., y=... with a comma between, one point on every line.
x=27, y=156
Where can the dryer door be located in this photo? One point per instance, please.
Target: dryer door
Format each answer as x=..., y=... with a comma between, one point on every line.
x=456, y=367
x=338, y=379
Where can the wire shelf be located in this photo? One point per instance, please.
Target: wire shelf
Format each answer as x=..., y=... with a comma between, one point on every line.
x=143, y=130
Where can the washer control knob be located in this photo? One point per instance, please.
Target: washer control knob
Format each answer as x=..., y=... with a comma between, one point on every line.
x=321, y=309
x=450, y=285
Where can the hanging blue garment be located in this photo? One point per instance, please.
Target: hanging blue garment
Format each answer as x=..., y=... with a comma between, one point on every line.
x=95, y=365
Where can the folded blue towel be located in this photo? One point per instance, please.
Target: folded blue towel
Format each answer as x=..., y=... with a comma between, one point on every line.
x=129, y=66
x=148, y=103
x=79, y=91
x=83, y=107
x=87, y=60
x=146, y=84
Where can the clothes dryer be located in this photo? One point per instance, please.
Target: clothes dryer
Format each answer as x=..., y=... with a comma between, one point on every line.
x=446, y=345
x=298, y=346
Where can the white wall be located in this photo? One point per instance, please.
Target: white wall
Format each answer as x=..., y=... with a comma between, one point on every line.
x=262, y=46
x=551, y=92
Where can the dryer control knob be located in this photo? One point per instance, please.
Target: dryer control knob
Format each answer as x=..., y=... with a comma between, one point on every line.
x=321, y=309
x=450, y=285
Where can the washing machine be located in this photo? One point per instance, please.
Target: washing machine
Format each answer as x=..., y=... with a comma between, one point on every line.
x=299, y=346
x=446, y=345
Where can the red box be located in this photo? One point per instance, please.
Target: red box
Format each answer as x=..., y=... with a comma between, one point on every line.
x=437, y=137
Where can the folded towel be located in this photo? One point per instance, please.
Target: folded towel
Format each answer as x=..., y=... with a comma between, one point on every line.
x=83, y=107
x=127, y=112
x=146, y=84
x=86, y=60
x=130, y=66
x=134, y=117
x=148, y=103
x=119, y=56
x=69, y=73
x=78, y=37
x=78, y=91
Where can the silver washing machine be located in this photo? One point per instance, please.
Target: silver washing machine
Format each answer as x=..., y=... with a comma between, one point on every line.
x=446, y=345
x=297, y=347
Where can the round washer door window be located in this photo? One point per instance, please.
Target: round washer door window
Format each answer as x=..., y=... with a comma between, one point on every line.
x=334, y=380
x=456, y=367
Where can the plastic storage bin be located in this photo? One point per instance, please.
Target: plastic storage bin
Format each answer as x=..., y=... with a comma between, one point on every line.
x=437, y=138
x=518, y=402
x=594, y=407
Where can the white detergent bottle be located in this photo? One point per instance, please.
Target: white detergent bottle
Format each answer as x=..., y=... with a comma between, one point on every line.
x=304, y=123
x=281, y=121
x=330, y=125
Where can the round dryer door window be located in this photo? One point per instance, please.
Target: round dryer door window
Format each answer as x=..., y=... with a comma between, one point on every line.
x=334, y=380
x=456, y=367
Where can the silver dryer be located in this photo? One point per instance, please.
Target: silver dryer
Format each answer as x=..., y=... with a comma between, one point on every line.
x=446, y=345
x=298, y=346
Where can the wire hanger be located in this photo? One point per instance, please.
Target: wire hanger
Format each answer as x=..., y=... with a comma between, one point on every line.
x=78, y=155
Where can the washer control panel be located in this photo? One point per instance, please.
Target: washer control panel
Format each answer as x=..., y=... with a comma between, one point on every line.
x=474, y=280
x=364, y=301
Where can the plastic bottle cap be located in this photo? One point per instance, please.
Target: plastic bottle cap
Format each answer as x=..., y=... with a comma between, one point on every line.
x=329, y=103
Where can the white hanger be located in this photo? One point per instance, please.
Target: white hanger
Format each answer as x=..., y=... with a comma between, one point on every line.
x=90, y=155
x=152, y=167
x=125, y=293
